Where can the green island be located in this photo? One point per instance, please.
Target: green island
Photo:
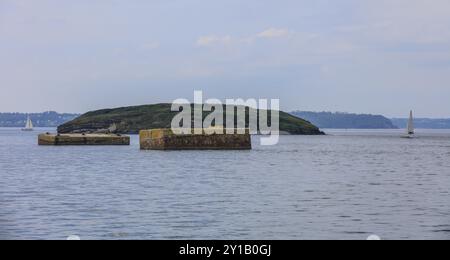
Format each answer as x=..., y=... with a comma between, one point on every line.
x=130, y=120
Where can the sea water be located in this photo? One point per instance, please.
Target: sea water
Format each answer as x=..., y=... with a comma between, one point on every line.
x=346, y=185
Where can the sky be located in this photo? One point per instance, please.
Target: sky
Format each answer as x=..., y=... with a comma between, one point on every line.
x=372, y=56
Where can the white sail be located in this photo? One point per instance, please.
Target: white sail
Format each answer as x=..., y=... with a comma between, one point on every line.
x=411, y=123
x=29, y=124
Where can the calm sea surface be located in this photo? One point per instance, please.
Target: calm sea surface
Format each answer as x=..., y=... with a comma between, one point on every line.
x=347, y=185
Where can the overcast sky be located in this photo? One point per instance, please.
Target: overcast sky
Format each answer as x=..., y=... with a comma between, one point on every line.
x=365, y=56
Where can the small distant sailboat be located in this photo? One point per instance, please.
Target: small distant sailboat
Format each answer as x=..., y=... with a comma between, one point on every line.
x=29, y=125
x=410, y=128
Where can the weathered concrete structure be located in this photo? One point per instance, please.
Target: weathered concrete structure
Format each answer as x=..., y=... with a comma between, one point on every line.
x=83, y=139
x=165, y=139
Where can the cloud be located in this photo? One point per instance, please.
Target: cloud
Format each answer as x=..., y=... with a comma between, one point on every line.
x=210, y=40
x=213, y=40
x=274, y=33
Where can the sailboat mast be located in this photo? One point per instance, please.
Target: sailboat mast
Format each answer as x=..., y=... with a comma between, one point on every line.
x=411, y=123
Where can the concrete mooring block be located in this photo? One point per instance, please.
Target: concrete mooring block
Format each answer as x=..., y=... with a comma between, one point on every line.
x=165, y=139
x=83, y=139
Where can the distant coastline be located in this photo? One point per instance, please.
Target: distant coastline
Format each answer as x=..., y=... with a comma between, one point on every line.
x=45, y=119
x=323, y=120
x=423, y=123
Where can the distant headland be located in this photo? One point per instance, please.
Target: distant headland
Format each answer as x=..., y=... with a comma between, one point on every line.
x=346, y=120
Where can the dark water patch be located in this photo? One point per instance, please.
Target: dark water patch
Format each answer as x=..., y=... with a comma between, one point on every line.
x=355, y=232
x=442, y=231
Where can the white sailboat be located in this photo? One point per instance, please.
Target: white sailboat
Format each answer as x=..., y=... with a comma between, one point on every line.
x=29, y=125
x=410, y=131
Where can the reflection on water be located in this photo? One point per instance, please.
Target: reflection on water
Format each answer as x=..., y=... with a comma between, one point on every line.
x=347, y=185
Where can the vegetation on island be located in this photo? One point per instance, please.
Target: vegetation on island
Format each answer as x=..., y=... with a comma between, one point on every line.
x=130, y=120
